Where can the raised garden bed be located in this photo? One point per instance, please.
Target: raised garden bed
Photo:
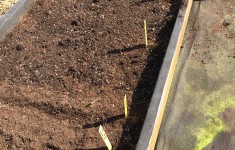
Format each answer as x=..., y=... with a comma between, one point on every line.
x=66, y=67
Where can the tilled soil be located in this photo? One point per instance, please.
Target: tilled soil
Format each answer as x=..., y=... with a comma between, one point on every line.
x=66, y=67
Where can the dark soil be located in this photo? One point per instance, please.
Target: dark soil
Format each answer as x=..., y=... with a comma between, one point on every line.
x=66, y=54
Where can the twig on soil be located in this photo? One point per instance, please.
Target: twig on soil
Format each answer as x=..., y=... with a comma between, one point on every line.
x=90, y=104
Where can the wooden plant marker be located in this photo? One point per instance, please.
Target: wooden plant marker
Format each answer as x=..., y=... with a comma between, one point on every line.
x=125, y=107
x=105, y=138
x=145, y=33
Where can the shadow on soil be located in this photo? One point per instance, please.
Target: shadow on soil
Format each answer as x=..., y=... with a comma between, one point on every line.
x=100, y=148
x=144, y=1
x=119, y=51
x=106, y=121
x=144, y=90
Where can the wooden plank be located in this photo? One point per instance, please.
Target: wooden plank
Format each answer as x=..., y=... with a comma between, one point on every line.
x=156, y=109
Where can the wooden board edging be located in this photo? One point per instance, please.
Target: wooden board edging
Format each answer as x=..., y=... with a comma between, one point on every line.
x=151, y=127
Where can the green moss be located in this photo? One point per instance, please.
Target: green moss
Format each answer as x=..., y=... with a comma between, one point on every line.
x=210, y=108
x=206, y=135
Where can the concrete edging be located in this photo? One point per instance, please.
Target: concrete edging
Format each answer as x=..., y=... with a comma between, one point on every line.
x=10, y=19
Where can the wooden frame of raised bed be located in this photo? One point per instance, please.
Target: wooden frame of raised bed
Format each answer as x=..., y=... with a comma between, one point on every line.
x=157, y=106
x=156, y=109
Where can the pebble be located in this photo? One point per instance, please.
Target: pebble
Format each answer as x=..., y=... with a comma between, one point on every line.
x=228, y=20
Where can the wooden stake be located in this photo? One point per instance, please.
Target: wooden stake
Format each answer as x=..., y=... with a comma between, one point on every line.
x=105, y=138
x=145, y=33
x=125, y=107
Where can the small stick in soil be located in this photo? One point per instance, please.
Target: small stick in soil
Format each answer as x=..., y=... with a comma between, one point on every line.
x=90, y=104
x=125, y=106
x=145, y=33
x=105, y=138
